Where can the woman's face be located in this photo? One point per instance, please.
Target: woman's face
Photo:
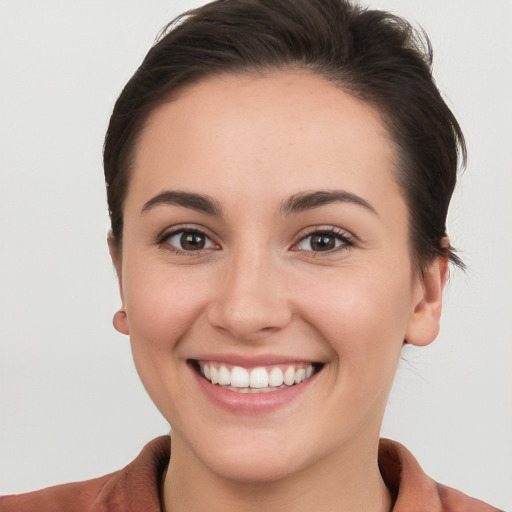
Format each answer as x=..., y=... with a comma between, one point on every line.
x=264, y=230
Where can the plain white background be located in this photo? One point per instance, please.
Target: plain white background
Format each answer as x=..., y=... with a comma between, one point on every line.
x=71, y=404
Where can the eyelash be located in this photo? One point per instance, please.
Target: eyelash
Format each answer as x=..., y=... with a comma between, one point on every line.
x=346, y=241
x=163, y=241
x=338, y=234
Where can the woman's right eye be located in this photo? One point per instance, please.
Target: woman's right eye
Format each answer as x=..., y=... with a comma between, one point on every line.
x=188, y=241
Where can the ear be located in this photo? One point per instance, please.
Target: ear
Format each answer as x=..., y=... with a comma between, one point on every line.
x=120, y=320
x=114, y=252
x=423, y=326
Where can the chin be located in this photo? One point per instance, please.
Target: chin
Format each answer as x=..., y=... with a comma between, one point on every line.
x=254, y=470
x=253, y=456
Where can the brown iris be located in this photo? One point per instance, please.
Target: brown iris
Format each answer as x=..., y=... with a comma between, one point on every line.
x=191, y=241
x=322, y=242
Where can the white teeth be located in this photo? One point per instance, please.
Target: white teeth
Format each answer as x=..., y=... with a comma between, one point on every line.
x=276, y=377
x=224, y=376
x=239, y=377
x=300, y=375
x=289, y=376
x=258, y=379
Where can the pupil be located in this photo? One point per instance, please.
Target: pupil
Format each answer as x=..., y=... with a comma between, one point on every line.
x=322, y=243
x=192, y=241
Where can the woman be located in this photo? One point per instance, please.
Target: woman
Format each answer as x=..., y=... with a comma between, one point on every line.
x=278, y=176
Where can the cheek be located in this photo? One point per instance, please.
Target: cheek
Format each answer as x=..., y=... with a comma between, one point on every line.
x=162, y=307
x=161, y=304
x=361, y=314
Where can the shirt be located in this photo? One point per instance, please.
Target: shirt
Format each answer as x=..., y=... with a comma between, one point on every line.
x=136, y=488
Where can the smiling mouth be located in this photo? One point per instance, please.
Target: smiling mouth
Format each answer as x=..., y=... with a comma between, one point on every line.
x=261, y=379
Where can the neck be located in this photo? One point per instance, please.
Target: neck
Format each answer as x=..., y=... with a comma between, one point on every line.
x=348, y=482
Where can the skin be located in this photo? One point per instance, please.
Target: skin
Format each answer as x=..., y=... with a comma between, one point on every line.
x=250, y=143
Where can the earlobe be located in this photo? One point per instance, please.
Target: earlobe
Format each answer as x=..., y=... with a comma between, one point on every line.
x=120, y=322
x=423, y=326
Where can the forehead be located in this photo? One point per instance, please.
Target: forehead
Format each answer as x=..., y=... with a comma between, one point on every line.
x=276, y=132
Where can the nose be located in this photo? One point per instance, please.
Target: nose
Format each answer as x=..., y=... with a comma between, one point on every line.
x=251, y=300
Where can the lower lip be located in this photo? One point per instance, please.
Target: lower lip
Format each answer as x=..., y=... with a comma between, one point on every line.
x=252, y=403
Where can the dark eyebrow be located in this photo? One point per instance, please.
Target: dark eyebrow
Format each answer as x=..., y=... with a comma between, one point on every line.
x=307, y=200
x=198, y=202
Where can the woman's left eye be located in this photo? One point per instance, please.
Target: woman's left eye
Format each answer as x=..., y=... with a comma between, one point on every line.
x=323, y=241
x=188, y=240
